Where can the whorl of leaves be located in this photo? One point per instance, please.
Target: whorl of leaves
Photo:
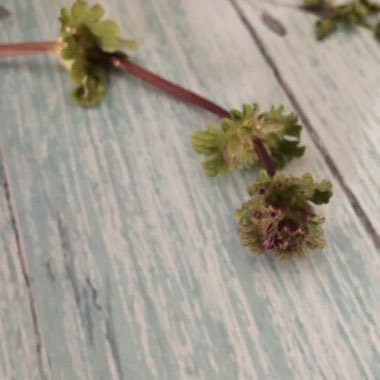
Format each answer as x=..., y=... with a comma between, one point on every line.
x=231, y=146
x=280, y=218
x=84, y=30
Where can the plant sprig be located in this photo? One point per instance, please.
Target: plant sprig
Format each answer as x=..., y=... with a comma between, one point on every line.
x=232, y=146
x=83, y=31
x=279, y=218
x=355, y=13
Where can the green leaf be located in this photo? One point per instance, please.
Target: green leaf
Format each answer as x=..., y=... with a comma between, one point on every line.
x=70, y=51
x=107, y=32
x=91, y=89
x=320, y=197
x=206, y=142
x=64, y=19
x=96, y=13
x=250, y=110
x=236, y=114
x=226, y=124
x=78, y=71
x=293, y=129
x=79, y=10
x=324, y=28
x=322, y=193
x=106, y=28
x=215, y=167
x=360, y=9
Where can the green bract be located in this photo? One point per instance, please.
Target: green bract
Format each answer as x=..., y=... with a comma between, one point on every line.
x=231, y=147
x=349, y=15
x=279, y=218
x=83, y=30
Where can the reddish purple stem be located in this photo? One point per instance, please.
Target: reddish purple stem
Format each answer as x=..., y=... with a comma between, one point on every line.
x=263, y=156
x=123, y=64
x=27, y=48
x=162, y=84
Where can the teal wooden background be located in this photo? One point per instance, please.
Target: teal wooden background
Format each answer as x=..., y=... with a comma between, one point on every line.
x=119, y=258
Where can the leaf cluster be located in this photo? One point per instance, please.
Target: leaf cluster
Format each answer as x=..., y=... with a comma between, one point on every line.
x=231, y=147
x=83, y=30
x=350, y=15
x=279, y=218
x=291, y=191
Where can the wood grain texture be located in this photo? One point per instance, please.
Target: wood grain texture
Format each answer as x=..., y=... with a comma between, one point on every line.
x=336, y=81
x=18, y=342
x=136, y=266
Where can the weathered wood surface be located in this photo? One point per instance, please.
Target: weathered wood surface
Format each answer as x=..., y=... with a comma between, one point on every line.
x=135, y=265
x=19, y=341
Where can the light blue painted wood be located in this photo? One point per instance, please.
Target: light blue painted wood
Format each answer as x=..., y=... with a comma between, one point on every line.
x=136, y=267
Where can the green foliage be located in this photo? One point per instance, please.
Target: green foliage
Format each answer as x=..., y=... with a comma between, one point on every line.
x=376, y=31
x=349, y=15
x=231, y=147
x=279, y=218
x=314, y=5
x=324, y=27
x=83, y=30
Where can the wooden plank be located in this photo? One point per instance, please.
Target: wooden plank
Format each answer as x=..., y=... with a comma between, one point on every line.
x=19, y=343
x=136, y=265
x=336, y=82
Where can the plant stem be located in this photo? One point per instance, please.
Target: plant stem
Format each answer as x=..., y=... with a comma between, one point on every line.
x=123, y=64
x=28, y=48
x=180, y=93
x=263, y=156
x=160, y=83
